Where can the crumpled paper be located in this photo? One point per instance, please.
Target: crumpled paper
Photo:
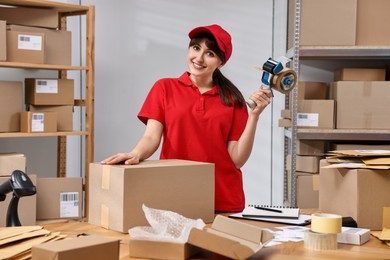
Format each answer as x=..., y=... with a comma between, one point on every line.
x=165, y=226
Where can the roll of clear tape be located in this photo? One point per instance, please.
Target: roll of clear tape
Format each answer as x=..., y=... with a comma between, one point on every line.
x=326, y=223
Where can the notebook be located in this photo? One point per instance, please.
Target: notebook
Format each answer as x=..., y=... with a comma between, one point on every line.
x=270, y=211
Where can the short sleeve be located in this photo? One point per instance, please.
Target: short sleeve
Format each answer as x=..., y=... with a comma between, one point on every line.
x=240, y=117
x=153, y=106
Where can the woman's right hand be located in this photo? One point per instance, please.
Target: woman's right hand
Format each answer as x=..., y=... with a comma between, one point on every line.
x=126, y=158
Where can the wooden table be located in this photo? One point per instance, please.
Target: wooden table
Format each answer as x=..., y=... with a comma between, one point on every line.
x=373, y=249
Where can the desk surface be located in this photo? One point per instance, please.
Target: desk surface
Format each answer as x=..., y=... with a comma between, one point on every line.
x=373, y=249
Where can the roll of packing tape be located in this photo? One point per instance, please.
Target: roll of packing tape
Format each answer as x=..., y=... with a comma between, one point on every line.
x=318, y=241
x=326, y=223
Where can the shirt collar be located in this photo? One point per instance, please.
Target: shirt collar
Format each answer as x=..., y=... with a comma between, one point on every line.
x=185, y=79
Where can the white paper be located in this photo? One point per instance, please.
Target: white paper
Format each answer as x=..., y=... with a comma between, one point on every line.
x=69, y=204
x=46, y=86
x=37, y=122
x=29, y=42
x=308, y=119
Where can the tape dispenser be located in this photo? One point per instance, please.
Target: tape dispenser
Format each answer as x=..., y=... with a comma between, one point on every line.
x=276, y=76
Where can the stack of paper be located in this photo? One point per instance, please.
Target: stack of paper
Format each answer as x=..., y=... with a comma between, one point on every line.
x=366, y=159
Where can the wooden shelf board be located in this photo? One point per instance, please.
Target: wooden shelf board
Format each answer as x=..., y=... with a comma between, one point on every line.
x=61, y=7
x=24, y=65
x=20, y=134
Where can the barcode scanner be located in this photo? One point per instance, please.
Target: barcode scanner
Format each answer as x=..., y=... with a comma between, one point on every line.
x=21, y=186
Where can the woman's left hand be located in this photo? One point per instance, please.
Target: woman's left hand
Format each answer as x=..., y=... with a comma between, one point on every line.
x=262, y=98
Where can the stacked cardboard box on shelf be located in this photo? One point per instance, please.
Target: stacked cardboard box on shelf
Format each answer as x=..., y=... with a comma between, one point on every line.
x=11, y=104
x=352, y=23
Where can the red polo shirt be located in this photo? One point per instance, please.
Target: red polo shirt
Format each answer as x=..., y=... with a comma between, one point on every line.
x=198, y=127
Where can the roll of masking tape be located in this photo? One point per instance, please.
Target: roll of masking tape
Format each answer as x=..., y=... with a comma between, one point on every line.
x=318, y=241
x=326, y=223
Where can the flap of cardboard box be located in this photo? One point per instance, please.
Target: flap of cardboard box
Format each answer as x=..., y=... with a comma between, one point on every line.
x=231, y=238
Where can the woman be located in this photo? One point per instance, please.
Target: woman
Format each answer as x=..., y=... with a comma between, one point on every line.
x=202, y=116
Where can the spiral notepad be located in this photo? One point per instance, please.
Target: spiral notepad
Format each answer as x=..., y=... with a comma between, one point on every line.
x=270, y=211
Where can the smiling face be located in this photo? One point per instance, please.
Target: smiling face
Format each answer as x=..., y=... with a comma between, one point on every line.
x=203, y=58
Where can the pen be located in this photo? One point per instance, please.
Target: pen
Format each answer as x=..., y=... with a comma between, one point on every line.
x=268, y=209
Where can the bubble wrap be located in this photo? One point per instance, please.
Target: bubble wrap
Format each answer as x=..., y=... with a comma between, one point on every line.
x=165, y=226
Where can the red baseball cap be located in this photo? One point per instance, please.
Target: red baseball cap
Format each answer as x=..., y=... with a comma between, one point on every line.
x=223, y=38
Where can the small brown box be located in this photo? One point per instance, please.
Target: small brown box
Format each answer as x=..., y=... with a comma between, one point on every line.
x=316, y=113
x=11, y=104
x=39, y=17
x=94, y=247
x=44, y=122
x=45, y=91
x=59, y=198
x=64, y=115
x=58, y=46
x=360, y=74
x=28, y=47
x=10, y=162
x=307, y=190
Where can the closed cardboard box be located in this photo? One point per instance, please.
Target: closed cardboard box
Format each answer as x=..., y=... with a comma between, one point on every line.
x=312, y=90
x=359, y=74
x=306, y=163
x=64, y=115
x=45, y=91
x=93, y=247
x=316, y=113
x=26, y=205
x=59, y=198
x=28, y=47
x=357, y=193
x=360, y=147
x=307, y=190
x=310, y=147
x=362, y=104
x=328, y=22
x=3, y=41
x=35, y=122
x=117, y=192
x=372, y=23
x=10, y=162
x=11, y=104
x=154, y=249
x=58, y=46
x=39, y=17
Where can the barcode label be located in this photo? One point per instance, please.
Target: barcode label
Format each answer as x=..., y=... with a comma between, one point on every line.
x=37, y=122
x=29, y=42
x=69, y=204
x=308, y=119
x=46, y=86
x=24, y=38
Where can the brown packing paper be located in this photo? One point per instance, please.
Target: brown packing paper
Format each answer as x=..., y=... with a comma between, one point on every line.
x=386, y=217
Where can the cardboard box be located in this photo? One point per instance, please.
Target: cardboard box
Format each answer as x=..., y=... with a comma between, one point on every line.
x=58, y=48
x=93, y=247
x=357, y=193
x=64, y=115
x=353, y=236
x=328, y=22
x=39, y=17
x=3, y=41
x=45, y=91
x=32, y=122
x=284, y=122
x=312, y=90
x=151, y=249
x=59, y=198
x=10, y=162
x=305, y=163
x=359, y=74
x=316, y=114
x=310, y=147
x=27, y=47
x=231, y=238
x=362, y=104
x=11, y=104
x=26, y=206
x=372, y=21
x=307, y=190
x=185, y=187
x=360, y=147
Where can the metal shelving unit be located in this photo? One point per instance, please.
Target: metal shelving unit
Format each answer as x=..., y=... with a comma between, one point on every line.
x=292, y=134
